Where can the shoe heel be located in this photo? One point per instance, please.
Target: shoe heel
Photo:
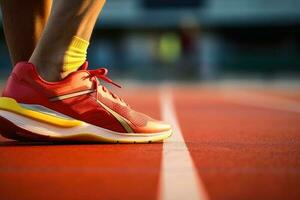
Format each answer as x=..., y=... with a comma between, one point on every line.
x=11, y=131
x=11, y=105
x=7, y=130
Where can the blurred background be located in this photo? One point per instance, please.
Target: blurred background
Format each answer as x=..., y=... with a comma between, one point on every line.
x=194, y=40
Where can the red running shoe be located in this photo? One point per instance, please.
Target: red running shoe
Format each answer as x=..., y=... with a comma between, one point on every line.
x=76, y=108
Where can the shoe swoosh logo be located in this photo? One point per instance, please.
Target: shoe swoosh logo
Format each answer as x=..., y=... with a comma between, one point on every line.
x=120, y=118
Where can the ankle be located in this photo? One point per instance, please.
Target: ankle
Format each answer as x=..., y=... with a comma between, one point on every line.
x=48, y=71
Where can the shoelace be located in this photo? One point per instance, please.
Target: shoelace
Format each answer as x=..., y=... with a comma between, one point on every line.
x=101, y=74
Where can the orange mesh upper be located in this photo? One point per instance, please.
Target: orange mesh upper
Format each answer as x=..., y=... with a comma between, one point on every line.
x=136, y=118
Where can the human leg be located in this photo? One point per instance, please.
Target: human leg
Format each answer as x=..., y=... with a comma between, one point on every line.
x=68, y=18
x=23, y=23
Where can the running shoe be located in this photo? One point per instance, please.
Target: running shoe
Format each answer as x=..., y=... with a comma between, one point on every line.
x=77, y=108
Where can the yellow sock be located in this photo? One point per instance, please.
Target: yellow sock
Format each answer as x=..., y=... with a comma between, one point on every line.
x=75, y=55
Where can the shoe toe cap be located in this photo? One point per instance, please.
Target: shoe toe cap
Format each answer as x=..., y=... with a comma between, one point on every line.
x=154, y=127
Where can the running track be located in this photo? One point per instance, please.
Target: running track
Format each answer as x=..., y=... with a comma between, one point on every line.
x=228, y=144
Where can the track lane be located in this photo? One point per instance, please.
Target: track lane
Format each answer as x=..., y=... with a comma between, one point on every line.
x=179, y=178
x=241, y=152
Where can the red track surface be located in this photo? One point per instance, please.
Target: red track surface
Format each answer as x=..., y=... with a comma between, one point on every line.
x=240, y=152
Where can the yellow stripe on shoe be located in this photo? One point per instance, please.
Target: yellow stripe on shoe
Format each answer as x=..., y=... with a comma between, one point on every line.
x=12, y=105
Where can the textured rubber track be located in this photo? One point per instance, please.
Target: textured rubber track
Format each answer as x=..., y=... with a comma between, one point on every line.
x=241, y=152
x=286, y=94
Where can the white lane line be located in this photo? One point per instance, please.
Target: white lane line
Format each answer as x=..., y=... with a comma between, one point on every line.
x=262, y=101
x=179, y=178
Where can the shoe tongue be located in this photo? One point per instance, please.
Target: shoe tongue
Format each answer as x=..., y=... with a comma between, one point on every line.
x=84, y=66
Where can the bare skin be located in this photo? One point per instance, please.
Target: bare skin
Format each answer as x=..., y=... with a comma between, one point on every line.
x=68, y=18
x=23, y=23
